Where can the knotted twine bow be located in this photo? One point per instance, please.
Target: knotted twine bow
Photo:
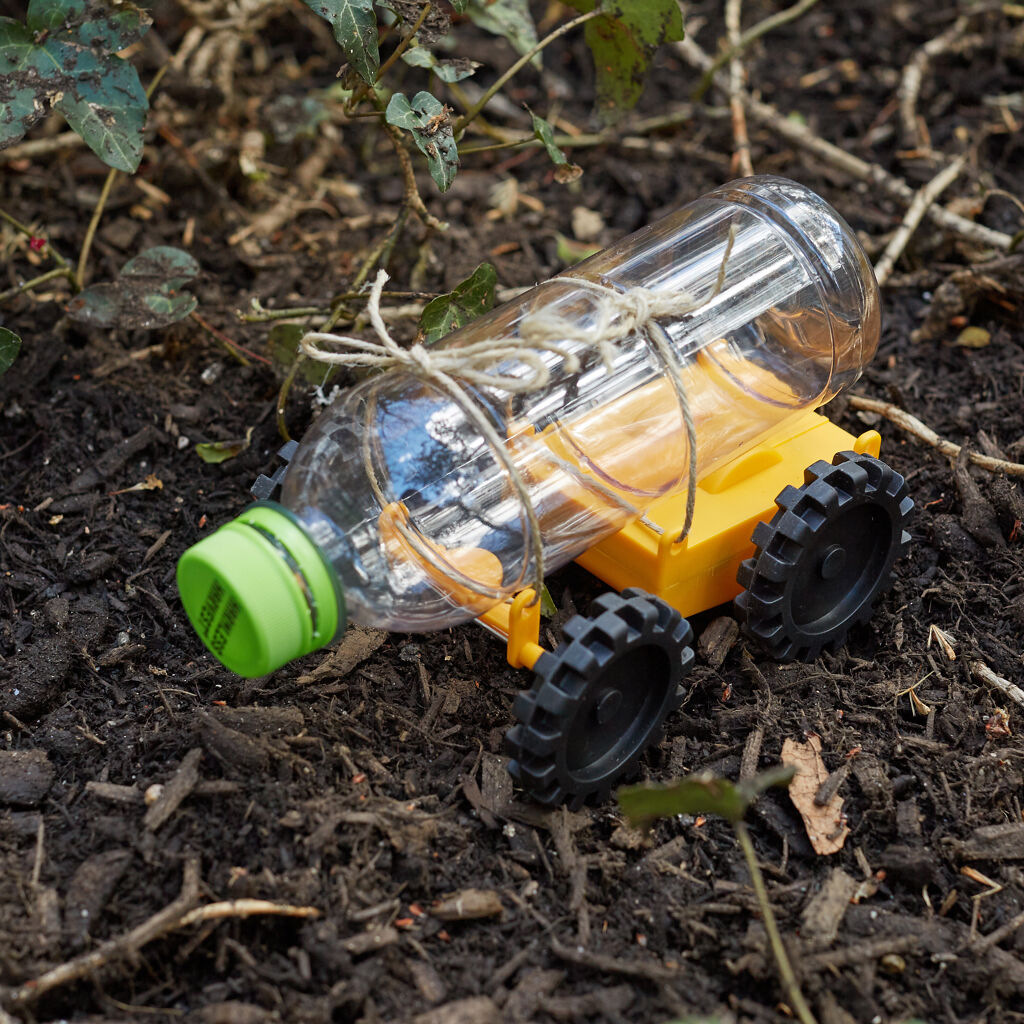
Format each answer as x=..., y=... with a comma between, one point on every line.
x=617, y=315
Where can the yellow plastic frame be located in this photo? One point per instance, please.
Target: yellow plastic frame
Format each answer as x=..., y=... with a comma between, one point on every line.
x=700, y=572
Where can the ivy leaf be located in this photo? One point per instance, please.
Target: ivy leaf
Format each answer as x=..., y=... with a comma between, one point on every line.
x=508, y=18
x=427, y=120
x=622, y=43
x=65, y=57
x=10, y=345
x=451, y=69
x=355, y=28
x=146, y=294
x=465, y=302
x=702, y=793
x=221, y=451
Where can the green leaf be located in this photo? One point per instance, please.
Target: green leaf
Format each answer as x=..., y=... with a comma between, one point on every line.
x=10, y=345
x=427, y=120
x=508, y=18
x=146, y=294
x=703, y=793
x=622, y=43
x=221, y=451
x=465, y=302
x=283, y=342
x=543, y=131
x=459, y=6
x=355, y=28
x=65, y=57
x=452, y=69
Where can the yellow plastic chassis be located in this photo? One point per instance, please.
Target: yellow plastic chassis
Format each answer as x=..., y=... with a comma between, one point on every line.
x=700, y=572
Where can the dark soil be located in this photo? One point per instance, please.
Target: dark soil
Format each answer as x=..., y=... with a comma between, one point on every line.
x=370, y=786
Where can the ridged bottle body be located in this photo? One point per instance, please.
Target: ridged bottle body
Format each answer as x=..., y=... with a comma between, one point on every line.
x=417, y=514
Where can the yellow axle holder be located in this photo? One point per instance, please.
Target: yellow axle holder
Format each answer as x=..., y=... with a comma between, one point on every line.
x=699, y=572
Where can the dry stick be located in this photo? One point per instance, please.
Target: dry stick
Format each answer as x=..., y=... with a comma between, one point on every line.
x=912, y=425
x=741, y=163
x=800, y=135
x=751, y=36
x=177, y=915
x=116, y=949
x=412, y=198
x=1002, y=932
x=984, y=674
x=913, y=74
x=41, y=147
x=915, y=214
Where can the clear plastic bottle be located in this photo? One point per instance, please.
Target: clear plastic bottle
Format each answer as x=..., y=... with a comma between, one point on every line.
x=784, y=314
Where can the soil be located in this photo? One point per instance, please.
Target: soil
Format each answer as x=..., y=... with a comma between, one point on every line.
x=369, y=783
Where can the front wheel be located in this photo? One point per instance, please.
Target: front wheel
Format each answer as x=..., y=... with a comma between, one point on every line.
x=599, y=699
x=824, y=557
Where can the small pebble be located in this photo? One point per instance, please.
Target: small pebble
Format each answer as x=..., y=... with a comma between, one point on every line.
x=153, y=793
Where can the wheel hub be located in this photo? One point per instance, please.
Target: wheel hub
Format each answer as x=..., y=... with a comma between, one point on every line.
x=832, y=562
x=607, y=704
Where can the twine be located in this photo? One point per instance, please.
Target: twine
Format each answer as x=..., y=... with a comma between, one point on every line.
x=617, y=315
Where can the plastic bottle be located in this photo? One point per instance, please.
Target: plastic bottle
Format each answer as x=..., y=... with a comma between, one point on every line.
x=434, y=534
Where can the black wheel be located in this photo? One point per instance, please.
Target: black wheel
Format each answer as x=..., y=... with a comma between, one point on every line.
x=825, y=556
x=599, y=699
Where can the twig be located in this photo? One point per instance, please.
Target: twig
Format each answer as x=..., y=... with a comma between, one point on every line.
x=465, y=119
x=915, y=214
x=404, y=44
x=27, y=286
x=912, y=425
x=741, y=163
x=237, y=350
x=913, y=74
x=41, y=147
x=800, y=135
x=258, y=314
x=612, y=965
x=796, y=998
x=412, y=198
x=984, y=674
x=29, y=233
x=120, y=948
x=243, y=908
x=736, y=47
x=177, y=915
x=1004, y=931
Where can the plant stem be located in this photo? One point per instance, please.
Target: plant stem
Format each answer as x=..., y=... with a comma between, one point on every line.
x=29, y=285
x=29, y=233
x=237, y=350
x=462, y=122
x=404, y=44
x=90, y=234
x=258, y=314
x=748, y=37
x=793, y=993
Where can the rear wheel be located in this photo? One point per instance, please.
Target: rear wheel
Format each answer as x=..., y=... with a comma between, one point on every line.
x=825, y=556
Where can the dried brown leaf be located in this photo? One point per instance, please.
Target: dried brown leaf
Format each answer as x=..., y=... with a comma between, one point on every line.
x=826, y=827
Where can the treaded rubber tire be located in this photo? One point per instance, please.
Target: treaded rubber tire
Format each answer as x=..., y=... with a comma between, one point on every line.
x=599, y=699
x=796, y=601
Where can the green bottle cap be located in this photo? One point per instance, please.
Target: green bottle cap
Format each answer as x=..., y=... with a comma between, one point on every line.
x=259, y=593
